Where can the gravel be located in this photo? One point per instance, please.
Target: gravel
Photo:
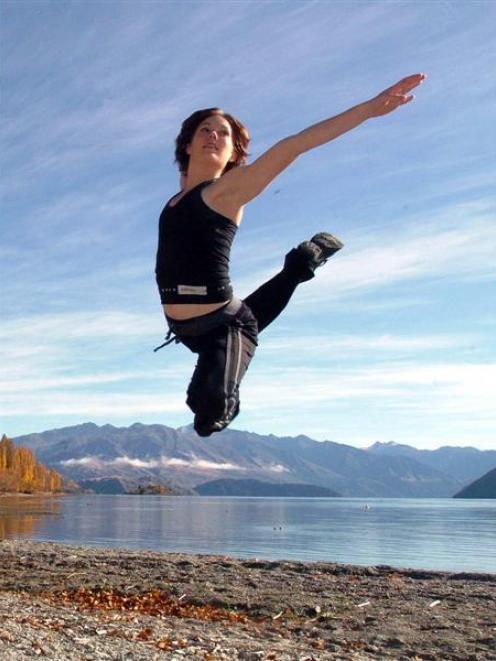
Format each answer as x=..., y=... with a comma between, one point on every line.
x=65, y=602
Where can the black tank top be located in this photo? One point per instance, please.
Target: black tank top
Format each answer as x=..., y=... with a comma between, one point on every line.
x=194, y=245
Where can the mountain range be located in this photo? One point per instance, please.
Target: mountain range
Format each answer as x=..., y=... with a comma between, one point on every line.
x=182, y=460
x=463, y=463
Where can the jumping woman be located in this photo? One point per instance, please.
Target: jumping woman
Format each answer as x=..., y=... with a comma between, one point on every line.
x=196, y=231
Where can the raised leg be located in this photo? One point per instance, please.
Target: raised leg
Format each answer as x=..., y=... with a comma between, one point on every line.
x=269, y=300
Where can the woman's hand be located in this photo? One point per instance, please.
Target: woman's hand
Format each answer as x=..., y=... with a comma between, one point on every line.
x=394, y=96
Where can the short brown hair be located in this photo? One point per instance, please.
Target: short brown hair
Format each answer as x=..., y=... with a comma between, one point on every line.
x=240, y=136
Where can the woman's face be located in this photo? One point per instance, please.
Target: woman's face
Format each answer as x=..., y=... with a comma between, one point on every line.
x=212, y=141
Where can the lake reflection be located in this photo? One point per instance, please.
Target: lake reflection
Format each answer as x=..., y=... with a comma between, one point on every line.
x=444, y=534
x=22, y=516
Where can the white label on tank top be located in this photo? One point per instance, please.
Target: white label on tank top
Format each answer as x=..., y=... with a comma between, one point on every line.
x=192, y=290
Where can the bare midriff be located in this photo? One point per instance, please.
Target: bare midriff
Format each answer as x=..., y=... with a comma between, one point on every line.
x=181, y=311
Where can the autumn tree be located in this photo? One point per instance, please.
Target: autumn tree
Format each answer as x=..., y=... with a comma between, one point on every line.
x=20, y=472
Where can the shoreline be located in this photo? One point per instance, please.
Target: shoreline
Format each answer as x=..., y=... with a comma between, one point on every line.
x=37, y=494
x=92, y=603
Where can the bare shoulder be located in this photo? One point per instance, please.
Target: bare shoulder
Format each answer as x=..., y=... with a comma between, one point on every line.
x=244, y=183
x=227, y=185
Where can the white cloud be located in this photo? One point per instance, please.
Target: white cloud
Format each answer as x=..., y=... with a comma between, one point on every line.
x=83, y=461
x=68, y=326
x=30, y=382
x=429, y=251
x=212, y=465
x=92, y=405
x=457, y=241
x=457, y=389
x=352, y=344
x=134, y=462
x=278, y=468
x=162, y=462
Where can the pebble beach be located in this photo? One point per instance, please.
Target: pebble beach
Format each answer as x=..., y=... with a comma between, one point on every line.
x=64, y=602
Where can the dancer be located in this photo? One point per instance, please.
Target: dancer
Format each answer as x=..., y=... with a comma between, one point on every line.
x=196, y=231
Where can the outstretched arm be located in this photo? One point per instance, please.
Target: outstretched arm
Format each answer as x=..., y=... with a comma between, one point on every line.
x=245, y=183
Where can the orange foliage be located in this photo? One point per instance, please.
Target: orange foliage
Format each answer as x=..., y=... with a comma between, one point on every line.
x=154, y=603
x=20, y=472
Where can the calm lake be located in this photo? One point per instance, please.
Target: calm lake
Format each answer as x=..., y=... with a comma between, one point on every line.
x=443, y=534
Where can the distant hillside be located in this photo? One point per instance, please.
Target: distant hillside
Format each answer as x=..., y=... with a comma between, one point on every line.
x=182, y=460
x=484, y=487
x=109, y=485
x=463, y=463
x=117, y=485
x=266, y=489
x=21, y=473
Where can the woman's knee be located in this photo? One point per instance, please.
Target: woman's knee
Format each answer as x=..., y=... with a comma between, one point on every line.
x=248, y=323
x=207, y=400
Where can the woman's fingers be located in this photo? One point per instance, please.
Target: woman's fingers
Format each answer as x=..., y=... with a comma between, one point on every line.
x=387, y=102
x=406, y=84
x=395, y=96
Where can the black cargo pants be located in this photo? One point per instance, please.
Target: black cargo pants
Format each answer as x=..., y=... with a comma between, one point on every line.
x=225, y=341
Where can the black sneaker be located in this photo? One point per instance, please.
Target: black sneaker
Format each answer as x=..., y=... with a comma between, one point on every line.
x=328, y=243
x=309, y=255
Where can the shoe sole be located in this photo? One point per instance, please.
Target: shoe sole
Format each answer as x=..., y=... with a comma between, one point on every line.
x=328, y=243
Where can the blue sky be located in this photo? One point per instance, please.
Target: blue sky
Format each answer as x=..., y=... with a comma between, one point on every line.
x=394, y=338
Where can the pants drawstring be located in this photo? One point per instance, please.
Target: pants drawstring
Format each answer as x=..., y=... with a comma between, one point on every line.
x=169, y=338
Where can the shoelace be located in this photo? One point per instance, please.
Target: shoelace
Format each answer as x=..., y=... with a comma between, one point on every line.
x=169, y=338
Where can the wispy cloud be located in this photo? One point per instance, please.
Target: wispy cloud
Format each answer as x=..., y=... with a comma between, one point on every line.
x=89, y=406
x=53, y=328
x=162, y=462
x=427, y=250
x=456, y=388
x=351, y=344
x=443, y=244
